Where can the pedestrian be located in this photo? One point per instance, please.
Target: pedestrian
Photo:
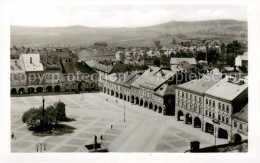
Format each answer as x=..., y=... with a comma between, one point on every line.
x=12, y=136
x=111, y=127
x=101, y=137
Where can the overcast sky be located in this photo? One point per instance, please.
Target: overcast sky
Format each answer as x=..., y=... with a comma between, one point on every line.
x=119, y=15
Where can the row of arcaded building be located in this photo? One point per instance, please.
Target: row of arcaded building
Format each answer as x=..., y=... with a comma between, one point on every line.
x=34, y=73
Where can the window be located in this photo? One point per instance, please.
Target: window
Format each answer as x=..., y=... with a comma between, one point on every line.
x=209, y=102
x=195, y=98
x=219, y=105
x=186, y=95
x=199, y=99
x=191, y=96
x=213, y=115
x=209, y=113
x=227, y=120
x=214, y=104
x=241, y=126
x=190, y=106
x=219, y=117
x=223, y=106
x=206, y=101
x=182, y=104
x=182, y=94
x=169, y=101
x=178, y=102
x=227, y=109
x=178, y=93
x=206, y=112
x=235, y=124
x=223, y=118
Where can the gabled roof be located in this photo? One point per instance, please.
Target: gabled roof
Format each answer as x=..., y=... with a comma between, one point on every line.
x=149, y=72
x=242, y=115
x=161, y=90
x=153, y=78
x=243, y=57
x=95, y=65
x=226, y=90
x=175, y=61
x=35, y=65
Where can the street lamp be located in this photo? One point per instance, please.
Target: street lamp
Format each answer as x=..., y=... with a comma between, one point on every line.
x=124, y=111
x=215, y=131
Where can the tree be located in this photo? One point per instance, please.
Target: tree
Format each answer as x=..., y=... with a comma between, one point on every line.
x=157, y=62
x=157, y=44
x=34, y=117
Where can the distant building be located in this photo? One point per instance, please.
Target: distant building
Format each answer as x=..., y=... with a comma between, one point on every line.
x=176, y=62
x=102, y=70
x=120, y=56
x=100, y=44
x=242, y=60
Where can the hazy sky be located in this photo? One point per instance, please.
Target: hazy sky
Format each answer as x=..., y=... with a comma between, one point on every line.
x=119, y=15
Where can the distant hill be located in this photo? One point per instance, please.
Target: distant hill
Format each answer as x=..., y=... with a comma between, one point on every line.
x=143, y=36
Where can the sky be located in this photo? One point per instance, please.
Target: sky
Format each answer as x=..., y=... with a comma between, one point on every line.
x=53, y=15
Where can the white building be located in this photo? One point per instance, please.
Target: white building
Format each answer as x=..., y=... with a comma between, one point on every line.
x=120, y=56
x=242, y=60
x=189, y=99
x=221, y=101
x=34, y=71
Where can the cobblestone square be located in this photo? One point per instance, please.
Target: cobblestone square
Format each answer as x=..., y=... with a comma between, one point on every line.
x=143, y=131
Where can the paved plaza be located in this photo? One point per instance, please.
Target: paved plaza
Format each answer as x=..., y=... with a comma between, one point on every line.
x=143, y=131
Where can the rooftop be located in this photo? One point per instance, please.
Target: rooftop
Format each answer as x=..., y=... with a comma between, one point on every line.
x=17, y=66
x=242, y=115
x=203, y=84
x=227, y=90
x=153, y=78
x=32, y=62
x=175, y=61
x=95, y=65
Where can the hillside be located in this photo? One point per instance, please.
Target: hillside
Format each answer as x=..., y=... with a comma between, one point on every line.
x=143, y=36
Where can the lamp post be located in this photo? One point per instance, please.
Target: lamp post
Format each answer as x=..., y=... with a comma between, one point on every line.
x=215, y=131
x=124, y=111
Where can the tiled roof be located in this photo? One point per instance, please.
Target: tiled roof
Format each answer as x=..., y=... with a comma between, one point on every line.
x=64, y=53
x=153, y=78
x=149, y=72
x=203, y=84
x=17, y=66
x=242, y=115
x=175, y=61
x=95, y=65
x=226, y=90
x=161, y=91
